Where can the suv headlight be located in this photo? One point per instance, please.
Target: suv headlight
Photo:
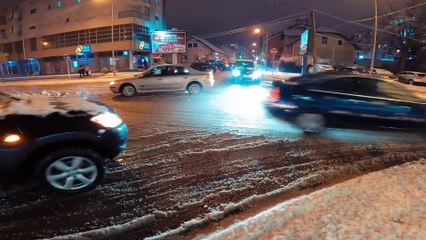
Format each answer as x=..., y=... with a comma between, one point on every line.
x=108, y=120
x=236, y=73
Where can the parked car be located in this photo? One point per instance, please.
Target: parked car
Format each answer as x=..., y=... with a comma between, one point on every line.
x=165, y=78
x=315, y=102
x=383, y=73
x=62, y=143
x=412, y=77
x=203, y=67
x=245, y=71
x=220, y=65
x=319, y=68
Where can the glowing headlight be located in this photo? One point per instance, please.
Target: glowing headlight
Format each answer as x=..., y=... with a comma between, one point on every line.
x=112, y=83
x=236, y=73
x=12, y=138
x=256, y=75
x=108, y=120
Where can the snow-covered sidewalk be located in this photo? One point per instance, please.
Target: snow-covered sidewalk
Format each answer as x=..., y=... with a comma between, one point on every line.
x=390, y=204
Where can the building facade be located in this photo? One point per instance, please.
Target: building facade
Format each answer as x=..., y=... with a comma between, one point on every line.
x=46, y=35
x=200, y=50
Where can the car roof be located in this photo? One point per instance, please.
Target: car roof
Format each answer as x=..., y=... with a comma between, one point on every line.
x=244, y=60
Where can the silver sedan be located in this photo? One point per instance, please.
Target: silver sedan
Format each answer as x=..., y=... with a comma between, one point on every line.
x=165, y=78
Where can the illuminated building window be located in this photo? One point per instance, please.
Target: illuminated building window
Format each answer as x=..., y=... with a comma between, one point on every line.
x=59, y=4
x=77, y=1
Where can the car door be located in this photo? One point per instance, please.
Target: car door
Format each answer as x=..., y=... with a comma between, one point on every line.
x=152, y=80
x=401, y=109
x=352, y=100
x=177, y=77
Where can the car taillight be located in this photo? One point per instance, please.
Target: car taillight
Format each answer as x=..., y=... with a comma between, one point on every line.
x=274, y=95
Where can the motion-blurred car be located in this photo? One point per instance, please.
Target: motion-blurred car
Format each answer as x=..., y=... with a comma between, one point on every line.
x=412, y=77
x=61, y=142
x=383, y=73
x=345, y=100
x=244, y=71
x=165, y=78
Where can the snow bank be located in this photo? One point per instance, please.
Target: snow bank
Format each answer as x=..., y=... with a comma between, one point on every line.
x=45, y=105
x=389, y=204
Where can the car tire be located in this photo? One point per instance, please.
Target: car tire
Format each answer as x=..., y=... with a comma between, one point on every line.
x=128, y=90
x=71, y=171
x=411, y=82
x=311, y=122
x=194, y=88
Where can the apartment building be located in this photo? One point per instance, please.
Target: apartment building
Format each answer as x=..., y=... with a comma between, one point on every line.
x=43, y=36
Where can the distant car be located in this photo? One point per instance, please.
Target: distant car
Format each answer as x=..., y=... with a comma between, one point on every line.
x=60, y=142
x=220, y=65
x=383, y=73
x=203, y=66
x=245, y=71
x=320, y=101
x=412, y=77
x=348, y=70
x=319, y=68
x=165, y=78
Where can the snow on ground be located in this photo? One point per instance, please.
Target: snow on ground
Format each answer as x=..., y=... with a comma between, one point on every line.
x=390, y=204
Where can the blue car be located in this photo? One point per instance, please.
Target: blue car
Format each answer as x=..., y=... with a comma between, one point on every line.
x=315, y=102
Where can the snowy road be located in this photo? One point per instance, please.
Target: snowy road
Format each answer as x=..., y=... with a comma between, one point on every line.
x=194, y=157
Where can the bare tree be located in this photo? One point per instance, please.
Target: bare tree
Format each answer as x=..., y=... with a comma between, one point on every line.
x=410, y=26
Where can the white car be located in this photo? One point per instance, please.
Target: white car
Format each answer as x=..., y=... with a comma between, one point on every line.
x=383, y=73
x=412, y=77
x=165, y=78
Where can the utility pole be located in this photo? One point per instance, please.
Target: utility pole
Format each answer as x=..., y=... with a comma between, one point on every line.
x=314, y=29
x=373, y=57
x=112, y=39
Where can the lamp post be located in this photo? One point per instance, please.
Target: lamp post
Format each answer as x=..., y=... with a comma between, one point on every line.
x=373, y=58
x=112, y=38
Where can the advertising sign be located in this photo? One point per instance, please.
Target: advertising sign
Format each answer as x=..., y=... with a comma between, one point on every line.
x=304, y=42
x=83, y=49
x=168, y=42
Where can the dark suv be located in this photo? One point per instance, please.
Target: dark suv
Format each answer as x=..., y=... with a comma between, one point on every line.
x=62, y=142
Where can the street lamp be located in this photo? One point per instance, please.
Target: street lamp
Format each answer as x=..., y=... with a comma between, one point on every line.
x=112, y=38
x=256, y=30
x=254, y=44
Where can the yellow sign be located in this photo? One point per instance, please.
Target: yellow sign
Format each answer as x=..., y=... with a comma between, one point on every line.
x=79, y=49
x=141, y=45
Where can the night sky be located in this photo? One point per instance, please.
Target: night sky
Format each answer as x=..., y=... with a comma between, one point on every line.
x=207, y=16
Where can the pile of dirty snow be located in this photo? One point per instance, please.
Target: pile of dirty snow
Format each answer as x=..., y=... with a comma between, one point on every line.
x=389, y=204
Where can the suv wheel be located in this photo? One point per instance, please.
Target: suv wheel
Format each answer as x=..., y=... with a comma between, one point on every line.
x=194, y=88
x=310, y=122
x=411, y=82
x=71, y=171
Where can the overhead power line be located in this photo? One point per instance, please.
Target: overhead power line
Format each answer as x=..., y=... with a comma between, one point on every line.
x=248, y=28
x=385, y=15
x=366, y=26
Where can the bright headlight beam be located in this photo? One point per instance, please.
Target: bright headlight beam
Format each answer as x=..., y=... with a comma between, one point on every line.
x=108, y=120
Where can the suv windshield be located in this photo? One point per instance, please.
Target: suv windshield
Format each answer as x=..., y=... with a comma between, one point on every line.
x=244, y=64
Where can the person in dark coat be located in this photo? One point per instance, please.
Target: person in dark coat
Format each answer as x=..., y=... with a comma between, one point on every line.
x=145, y=64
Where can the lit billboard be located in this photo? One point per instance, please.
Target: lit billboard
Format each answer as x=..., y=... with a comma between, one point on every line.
x=304, y=42
x=168, y=42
